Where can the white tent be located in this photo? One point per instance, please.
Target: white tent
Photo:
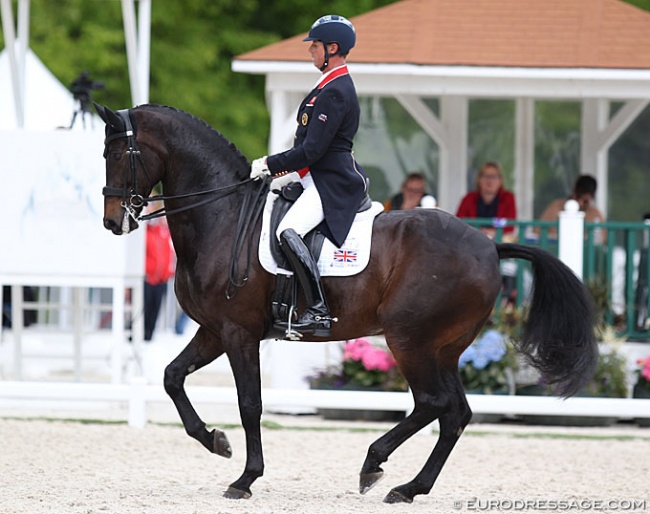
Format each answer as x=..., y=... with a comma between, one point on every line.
x=48, y=103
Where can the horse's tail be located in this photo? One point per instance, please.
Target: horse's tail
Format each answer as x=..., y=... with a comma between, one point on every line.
x=559, y=336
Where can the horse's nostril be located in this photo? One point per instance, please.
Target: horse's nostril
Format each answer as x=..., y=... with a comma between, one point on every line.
x=109, y=224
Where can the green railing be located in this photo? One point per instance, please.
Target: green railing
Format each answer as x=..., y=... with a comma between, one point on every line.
x=615, y=267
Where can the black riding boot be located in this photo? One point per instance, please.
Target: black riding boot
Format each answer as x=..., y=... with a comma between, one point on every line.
x=316, y=319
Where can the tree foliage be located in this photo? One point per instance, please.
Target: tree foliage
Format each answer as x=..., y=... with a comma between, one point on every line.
x=193, y=43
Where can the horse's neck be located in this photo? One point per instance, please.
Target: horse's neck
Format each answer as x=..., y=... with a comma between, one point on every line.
x=208, y=226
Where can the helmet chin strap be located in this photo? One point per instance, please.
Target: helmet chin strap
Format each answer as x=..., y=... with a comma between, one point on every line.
x=327, y=58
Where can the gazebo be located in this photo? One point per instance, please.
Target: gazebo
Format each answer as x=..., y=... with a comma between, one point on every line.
x=592, y=51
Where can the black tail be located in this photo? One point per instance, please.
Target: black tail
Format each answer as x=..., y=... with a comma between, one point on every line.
x=559, y=335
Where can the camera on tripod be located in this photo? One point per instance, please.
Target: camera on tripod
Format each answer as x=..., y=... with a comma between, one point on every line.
x=81, y=88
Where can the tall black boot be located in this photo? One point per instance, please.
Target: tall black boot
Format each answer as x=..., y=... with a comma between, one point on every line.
x=316, y=319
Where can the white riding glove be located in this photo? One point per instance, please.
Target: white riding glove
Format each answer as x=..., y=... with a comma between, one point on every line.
x=259, y=169
x=278, y=183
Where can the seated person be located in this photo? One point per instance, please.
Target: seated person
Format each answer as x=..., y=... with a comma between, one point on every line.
x=412, y=194
x=584, y=192
x=489, y=199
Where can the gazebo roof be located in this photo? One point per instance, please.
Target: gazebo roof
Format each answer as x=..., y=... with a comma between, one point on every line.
x=493, y=33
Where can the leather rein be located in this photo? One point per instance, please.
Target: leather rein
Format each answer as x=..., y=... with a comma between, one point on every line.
x=250, y=212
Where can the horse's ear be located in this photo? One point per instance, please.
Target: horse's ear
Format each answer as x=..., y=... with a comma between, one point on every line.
x=101, y=110
x=114, y=120
x=110, y=118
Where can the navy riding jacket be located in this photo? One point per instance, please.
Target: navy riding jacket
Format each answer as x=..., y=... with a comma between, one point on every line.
x=328, y=119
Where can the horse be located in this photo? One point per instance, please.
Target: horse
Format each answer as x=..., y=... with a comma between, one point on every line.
x=430, y=286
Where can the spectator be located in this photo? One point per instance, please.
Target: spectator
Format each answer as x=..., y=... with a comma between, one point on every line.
x=159, y=269
x=489, y=199
x=412, y=194
x=584, y=192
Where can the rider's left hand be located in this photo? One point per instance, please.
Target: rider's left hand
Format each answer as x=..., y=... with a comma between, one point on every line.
x=282, y=180
x=259, y=169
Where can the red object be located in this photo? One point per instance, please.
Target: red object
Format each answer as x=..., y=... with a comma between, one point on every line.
x=506, y=207
x=160, y=257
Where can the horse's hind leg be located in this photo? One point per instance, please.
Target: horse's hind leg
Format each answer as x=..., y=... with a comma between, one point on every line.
x=454, y=415
x=440, y=395
x=202, y=350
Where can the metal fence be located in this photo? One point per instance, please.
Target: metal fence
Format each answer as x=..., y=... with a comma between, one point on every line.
x=615, y=266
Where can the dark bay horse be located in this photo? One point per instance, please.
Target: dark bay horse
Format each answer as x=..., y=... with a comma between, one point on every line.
x=431, y=284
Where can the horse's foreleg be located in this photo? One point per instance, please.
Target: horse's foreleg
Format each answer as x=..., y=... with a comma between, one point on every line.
x=245, y=363
x=202, y=350
x=453, y=420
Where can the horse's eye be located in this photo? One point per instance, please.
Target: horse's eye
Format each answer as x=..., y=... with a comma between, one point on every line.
x=116, y=155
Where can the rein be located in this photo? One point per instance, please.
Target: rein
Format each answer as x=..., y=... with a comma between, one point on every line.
x=249, y=214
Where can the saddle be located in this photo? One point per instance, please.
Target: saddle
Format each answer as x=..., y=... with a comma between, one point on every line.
x=285, y=296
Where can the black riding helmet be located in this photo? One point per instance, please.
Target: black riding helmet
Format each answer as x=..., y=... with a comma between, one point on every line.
x=333, y=29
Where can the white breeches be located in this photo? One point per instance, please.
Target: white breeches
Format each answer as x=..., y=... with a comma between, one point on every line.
x=307, y=211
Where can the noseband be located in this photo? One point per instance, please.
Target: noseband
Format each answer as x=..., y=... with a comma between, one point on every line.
x=132, y=201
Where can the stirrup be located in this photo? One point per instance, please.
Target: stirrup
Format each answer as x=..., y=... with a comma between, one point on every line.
x=289, y=333
x=320, y=326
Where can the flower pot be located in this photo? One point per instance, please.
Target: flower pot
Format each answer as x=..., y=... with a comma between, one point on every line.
x=642, y=391
x=361, y=414
x=357, y=414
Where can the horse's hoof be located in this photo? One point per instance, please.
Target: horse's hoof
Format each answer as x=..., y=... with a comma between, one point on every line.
x=236, y=494
x=221, y=446
x=397, y=497
x=369, y=480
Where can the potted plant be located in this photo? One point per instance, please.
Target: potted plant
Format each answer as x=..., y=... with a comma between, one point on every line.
x=642, y=387
x=487, y=367
x=364, y=367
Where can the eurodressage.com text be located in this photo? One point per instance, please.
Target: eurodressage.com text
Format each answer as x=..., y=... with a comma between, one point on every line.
x=620, y=505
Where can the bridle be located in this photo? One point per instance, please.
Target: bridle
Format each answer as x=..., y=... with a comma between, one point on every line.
x=132, y=201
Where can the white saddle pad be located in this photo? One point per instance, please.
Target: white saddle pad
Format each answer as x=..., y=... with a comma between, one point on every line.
x=350, y=259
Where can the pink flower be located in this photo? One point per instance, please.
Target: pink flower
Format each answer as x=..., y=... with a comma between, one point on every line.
x=354, y=350
x=370, y=357
x=645, y=367
x=376, y=358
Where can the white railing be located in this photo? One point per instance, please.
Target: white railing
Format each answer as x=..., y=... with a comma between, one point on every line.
x=137, y=395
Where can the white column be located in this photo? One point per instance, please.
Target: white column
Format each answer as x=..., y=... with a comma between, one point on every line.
x=283, y=120
x=128, y=14
x=524, y=186
x=571, y=236
x=593, y=153
x=144, y=48
x=453, y=158
x=8, y=29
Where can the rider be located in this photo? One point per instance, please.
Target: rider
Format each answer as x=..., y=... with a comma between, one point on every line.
x=334, y=184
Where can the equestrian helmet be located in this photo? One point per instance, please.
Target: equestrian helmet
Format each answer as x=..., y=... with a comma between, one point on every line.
x=333, y=29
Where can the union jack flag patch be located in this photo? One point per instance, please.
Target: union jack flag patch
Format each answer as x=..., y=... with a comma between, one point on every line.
x=345, y=256
x=322, y=117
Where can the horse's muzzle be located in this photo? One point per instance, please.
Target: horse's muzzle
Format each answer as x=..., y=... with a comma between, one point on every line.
x=117, y=227
x=113, y=226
